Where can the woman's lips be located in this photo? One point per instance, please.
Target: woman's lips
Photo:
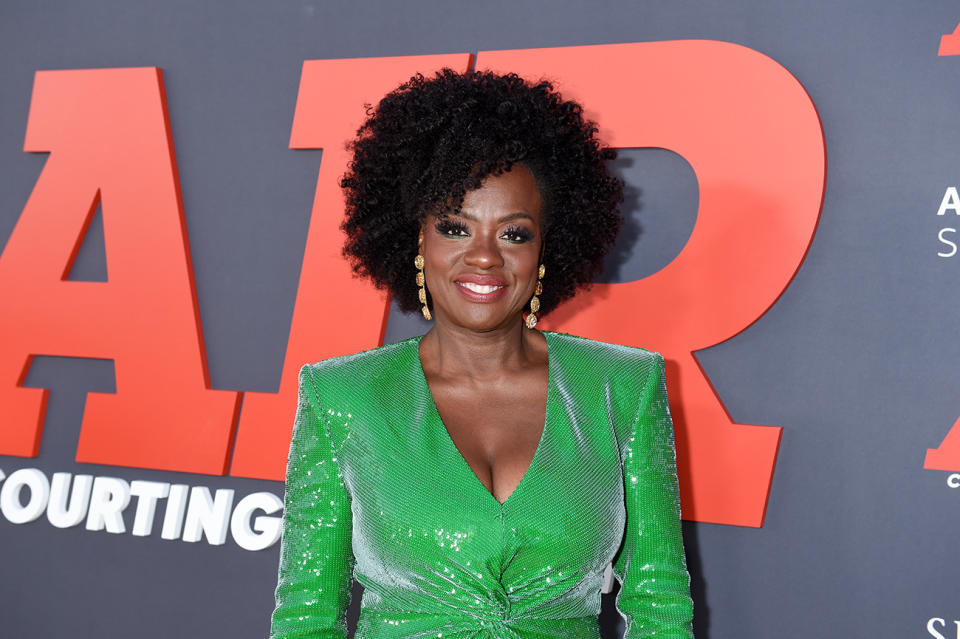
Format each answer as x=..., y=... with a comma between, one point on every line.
x=479, y=288
x=485, y=290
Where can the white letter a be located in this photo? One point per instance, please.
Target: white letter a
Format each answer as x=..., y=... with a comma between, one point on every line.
x=951, y=200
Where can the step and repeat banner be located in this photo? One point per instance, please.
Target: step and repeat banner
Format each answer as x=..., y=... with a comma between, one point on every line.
x=170, y=257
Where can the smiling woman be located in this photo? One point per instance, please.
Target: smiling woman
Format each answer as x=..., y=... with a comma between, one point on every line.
x=488, y=253
x=478, y=479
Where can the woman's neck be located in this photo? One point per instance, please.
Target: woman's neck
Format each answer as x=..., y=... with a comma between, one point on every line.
x=454, y=351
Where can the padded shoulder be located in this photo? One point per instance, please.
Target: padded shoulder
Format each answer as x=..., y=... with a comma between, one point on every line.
x=358, y=369
x=629, y=364
x=364, y=380
x=614, y=374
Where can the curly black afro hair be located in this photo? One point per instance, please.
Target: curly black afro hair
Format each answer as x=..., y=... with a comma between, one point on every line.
x=432, y=140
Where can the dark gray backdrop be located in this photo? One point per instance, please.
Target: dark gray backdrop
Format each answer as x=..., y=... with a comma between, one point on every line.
x=857, y=360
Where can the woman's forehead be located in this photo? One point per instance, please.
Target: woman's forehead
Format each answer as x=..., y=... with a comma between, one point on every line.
x=511, y=193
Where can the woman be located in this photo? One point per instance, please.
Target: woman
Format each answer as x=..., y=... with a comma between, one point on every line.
x=478, y=479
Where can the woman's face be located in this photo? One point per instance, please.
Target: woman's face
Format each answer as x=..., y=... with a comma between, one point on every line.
x=481, y=266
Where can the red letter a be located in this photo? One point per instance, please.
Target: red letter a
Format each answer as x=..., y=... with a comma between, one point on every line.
x=109, y=141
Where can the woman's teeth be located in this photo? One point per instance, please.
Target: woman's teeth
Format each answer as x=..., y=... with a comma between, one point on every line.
x=478, y=288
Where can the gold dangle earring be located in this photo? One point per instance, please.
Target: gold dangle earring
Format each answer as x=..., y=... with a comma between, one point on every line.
x=421, y=282
x=535, y=301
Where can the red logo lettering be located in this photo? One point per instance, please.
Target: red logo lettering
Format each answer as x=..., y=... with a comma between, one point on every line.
x=742, y=121
x=950, y=43
x=109, y=141
x=947, y=457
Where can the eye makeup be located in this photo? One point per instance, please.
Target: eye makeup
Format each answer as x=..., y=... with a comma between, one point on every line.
x=520, y=233
x=450, y=226
x=453, y=227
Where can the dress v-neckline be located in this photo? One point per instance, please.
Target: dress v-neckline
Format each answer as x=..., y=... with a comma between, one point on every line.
x=445, y=434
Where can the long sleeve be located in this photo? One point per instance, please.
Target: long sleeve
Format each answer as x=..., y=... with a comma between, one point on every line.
x=654, y=597
x=316, y=561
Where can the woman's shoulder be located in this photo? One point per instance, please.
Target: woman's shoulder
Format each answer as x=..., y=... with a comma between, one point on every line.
x=590, y=364
x=365, y=364
x=603, y=353
x=609, y=376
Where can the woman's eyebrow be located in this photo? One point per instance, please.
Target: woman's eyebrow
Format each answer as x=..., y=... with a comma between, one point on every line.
x=505, y=218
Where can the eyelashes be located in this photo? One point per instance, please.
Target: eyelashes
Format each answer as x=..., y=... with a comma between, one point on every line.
x=446, y=226
x=514, y=233
x=520, y=233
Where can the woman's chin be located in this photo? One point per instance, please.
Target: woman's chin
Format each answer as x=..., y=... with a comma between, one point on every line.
x=483, y=320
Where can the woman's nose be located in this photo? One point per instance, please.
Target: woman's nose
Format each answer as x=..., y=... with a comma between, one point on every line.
x=483, y=252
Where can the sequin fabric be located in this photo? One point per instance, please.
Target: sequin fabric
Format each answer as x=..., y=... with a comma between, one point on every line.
x=376, y=490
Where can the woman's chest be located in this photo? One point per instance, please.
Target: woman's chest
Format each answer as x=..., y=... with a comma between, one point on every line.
x=415, y=496
x=498, y=438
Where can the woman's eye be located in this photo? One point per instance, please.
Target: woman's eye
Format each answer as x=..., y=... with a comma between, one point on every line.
x=452, y=229
x=517, y=235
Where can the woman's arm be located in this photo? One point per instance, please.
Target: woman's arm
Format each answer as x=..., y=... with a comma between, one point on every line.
x=654, y=597
x=316, y=560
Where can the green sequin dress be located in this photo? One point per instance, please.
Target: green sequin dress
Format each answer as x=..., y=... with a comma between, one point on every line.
x=376, y=490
